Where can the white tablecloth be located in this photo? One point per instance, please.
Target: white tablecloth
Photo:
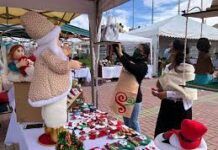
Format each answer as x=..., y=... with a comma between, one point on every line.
x=150, y=72
x=111, y=72
x=83, y=73
x=28, y=140
x=114, y=72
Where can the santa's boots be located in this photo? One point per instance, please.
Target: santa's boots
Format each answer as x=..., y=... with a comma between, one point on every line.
x=50, y=137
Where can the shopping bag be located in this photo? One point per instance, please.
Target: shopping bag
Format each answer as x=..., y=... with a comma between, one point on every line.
x=125, y=94
x=110, y=31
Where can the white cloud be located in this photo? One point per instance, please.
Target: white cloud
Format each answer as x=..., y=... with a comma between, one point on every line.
x=165, y=12
x=158, y=3
x=81, y=21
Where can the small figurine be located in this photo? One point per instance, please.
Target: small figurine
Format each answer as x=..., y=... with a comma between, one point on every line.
x=20, y=63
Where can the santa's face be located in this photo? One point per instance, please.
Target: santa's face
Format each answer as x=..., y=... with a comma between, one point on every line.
x=18, y=53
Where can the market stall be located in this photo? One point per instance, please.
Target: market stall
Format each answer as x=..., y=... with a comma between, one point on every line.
x=94, y=127
x=106, y=129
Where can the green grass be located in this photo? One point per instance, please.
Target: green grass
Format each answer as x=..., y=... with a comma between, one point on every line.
x=86, y=61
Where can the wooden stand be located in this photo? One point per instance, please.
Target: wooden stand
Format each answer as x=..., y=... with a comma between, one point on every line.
x=25, y=112
x=72, y=100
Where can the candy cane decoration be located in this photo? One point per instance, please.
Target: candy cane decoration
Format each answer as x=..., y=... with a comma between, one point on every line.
x=119, y=99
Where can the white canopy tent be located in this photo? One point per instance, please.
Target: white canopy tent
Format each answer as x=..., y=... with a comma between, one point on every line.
x=94, y=9
x=174, y=27
x=127, y=38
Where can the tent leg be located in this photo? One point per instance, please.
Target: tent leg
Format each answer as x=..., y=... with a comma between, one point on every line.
x=92, y=71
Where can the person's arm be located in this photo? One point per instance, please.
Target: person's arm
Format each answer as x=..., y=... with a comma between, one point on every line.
x=211, y=67
x=12, y=66
x=133, y=68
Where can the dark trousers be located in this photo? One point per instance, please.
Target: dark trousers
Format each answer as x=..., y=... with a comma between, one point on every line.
x=171, y=115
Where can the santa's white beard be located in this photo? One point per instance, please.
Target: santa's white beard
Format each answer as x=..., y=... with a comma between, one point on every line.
x=50, y=42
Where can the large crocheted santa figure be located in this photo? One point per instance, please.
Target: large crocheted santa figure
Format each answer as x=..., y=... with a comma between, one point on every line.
x=51, y=80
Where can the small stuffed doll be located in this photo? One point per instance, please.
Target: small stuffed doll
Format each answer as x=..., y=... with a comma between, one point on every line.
x=19, y=62
x=51, y=81
x=189, y=137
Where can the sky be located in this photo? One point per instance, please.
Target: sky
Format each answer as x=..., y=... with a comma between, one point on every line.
x=163, y=9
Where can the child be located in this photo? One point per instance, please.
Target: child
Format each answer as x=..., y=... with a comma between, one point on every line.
x=204, y=67
x=189, y=137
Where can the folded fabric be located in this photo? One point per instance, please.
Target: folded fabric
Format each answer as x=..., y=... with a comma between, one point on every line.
x=172, y=80
x=203, y=79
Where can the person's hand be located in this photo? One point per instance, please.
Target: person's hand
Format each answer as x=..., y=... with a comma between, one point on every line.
x=23, y=62
x=74, y=64
x=160, y=95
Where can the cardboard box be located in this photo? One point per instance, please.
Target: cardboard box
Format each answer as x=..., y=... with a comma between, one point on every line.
x=25, y=112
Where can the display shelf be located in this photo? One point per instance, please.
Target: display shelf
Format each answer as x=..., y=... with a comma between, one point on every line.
x=209, y=87
x=73, y=96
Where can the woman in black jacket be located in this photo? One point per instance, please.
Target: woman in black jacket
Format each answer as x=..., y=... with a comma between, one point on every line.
x=137, y=66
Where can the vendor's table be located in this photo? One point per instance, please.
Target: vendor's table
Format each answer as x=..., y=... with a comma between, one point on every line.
x=83, y=73
x=114, y=72
x=28, y=140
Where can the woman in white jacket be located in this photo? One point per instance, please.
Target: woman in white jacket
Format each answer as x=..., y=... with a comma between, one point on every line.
x=176, y=101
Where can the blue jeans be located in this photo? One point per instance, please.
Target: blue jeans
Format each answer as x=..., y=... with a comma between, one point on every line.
x=133, y=122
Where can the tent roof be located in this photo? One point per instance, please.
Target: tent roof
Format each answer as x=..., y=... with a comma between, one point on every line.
x=127, y=38
x=77, y=6
x=175, y=27
x=10, y=15
x=75, y=30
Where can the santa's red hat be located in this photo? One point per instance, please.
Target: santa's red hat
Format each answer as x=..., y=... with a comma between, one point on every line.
x=190, y=134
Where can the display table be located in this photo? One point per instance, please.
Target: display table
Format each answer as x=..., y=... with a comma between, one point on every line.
x=111, y=72
x=114, y=72
x=28, y=138
x=83, y=73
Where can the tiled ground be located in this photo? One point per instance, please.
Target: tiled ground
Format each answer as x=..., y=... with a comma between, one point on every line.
x=204, y=110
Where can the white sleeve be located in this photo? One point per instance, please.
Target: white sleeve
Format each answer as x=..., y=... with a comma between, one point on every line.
x=174, y=95
x=158, y=141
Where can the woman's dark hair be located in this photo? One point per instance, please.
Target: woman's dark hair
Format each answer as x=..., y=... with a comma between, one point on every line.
x=203, y=45
x=146, y=49
x=178, y=47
